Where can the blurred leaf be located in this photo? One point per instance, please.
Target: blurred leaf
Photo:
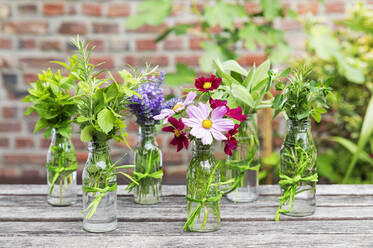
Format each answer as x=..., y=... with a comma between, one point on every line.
x=223, y=14
x=271, y=8
x=183, y=75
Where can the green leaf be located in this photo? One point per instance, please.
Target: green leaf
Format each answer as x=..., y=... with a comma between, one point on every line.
x=86, y=133
x=29, y=110
x=223, y=14
x=40, y=125
x=232, y=65
x=212, y=52
x=285, y=72
x=250, y=33
x=271, y=8
x=81, y=119
x=241, y=93
x=183, y=75
x=65, y=131
x=260, y=74
x=106, y=120
x=352, y=147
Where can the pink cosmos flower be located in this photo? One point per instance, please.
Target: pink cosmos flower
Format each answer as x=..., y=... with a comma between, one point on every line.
x=235, y=113
x=166, y=113
x=204, y=126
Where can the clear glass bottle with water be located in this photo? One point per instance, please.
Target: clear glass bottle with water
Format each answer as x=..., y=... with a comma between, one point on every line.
x=99, y=190
x=298, y=169
x=203, y=195
x=243, y=165
x=148, y=163
x=61, y=171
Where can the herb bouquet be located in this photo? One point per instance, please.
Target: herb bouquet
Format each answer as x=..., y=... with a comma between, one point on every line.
x=204, y=124
x=300, y=98
x=100, y=104
x=244, y=91
x=52, y=101
x=147, y=155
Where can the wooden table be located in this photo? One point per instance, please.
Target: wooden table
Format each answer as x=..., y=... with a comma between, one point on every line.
x=344, y=218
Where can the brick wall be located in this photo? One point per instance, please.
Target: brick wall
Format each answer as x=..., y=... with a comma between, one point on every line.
x=33, y=32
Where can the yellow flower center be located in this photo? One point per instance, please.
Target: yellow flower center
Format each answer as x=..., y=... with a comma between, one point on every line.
x=177, y=134
x=207, y=124
x=176, y=107
x=207, y=85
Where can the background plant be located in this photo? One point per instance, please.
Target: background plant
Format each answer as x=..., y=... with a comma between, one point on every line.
x=236, y=24
x=346, y=54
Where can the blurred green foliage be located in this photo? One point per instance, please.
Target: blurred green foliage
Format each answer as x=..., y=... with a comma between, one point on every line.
x=347, y=55
x=238, y=26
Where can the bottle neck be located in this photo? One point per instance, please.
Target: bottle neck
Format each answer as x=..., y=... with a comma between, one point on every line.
x=248, y=127
x=98, y=151
x=301, y=126
x=200, y=149
x=58, y=140
x=146, y=134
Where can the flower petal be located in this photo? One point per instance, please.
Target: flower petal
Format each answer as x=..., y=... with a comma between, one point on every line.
x=194, y=113
x=191, y=122
x=168, y=129
x=218, y=113
x=223, y=125
x=204, y=110
x=218, y=135
x=190, y=98
x=207, y=138
x=164, y=113
x=198, y=132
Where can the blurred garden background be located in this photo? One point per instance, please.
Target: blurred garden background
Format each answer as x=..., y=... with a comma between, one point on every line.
x=183, y=37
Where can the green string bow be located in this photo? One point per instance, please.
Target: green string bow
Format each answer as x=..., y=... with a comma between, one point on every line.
x=94, y=204
x=60, y=168
x=291, y=184
x=141, y=176
x=202, y=202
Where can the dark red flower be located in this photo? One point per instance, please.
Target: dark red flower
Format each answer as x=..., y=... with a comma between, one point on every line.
x=231, y=142
x=180, y=140
x=236, y=114
x=214, y=103
x=207, y=84
x=371, y=155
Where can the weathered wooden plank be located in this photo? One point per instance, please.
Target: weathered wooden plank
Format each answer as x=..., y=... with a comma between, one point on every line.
x=334, y=189
x=202, y=240
x=163, y=213
x=174, y=201
x=252, y=228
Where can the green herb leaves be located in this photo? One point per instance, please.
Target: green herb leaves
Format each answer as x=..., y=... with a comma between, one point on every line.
x=106, y=120
x=301, y=97
x=51, y=99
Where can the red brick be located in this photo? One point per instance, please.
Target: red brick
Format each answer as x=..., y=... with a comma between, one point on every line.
x=27, y=9
x=51, y=45
x=4, y=142
x=44, y=143
x=38, y=62
x=195, y=43
x=140, y=61
x=21, y=158
x=150, y=29
x=53, y=9
x=97, y=44
x=81, y=157
x=108, y=62
x=146, y=45
x=25, y=27
x=27, y=44
x=4, y=11
x=291, y=25
x=116, y=10
x=30, y=77
x=72, y=28
x=308, y=7
x=72, y=10
x=10, y=112
x=5, y=43
x=4, y=62
x=178, y=9
x=92, y=9
x=173, y=44
x=105, y=28
x=10, y=126
x=172, y=157
x=132, y=141
x=132, y=126
x=335, y=7
x=24, y=142
x=251, y=59
x=79, y=144
x=8, y=172
x=191, y=60
x=252, y=8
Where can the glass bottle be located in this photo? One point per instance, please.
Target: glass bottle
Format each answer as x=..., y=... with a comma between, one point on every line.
x=148, y=163
x=200, y=194
x=298, y=160
x=99, y=190
x=61, y=171
x=247, y=189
